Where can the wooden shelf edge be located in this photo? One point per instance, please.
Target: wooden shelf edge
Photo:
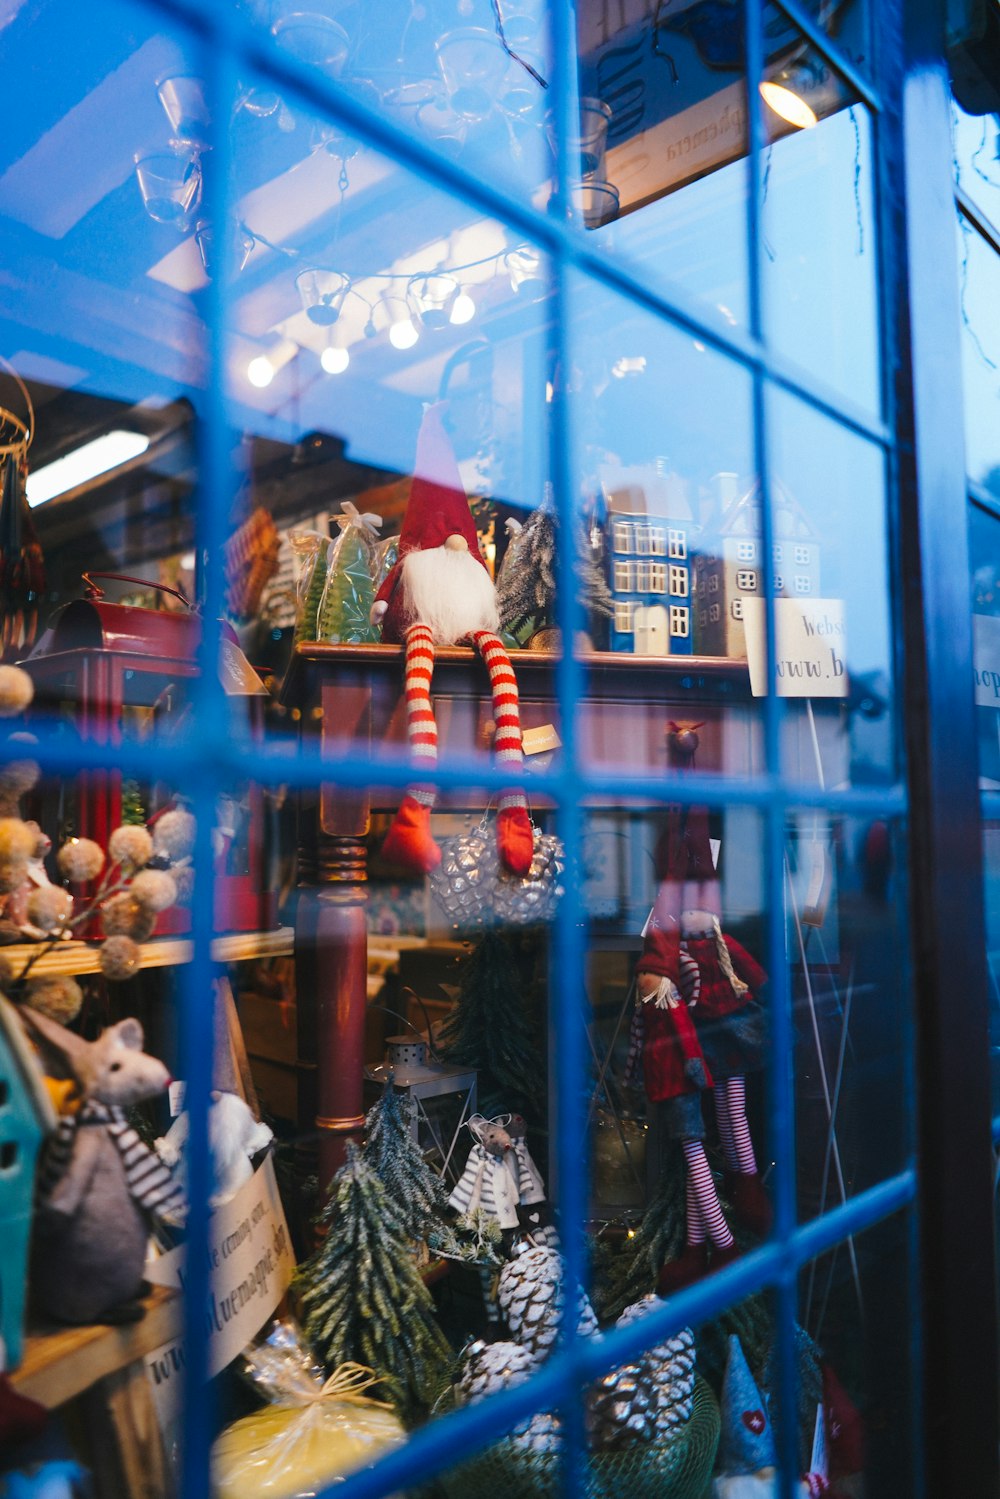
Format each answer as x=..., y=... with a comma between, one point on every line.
x=61, y=1362
x=163, y=952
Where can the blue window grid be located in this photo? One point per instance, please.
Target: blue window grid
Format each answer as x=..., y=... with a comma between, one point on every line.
x=227, y=45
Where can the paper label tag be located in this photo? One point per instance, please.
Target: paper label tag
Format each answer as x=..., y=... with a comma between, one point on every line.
x=251, y=1263
x=810, y=647
x=175, y=1095
x=986, y=659
x=538, y=741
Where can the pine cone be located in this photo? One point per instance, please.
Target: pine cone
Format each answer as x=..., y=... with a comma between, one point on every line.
x=530, y=1295
x=498, y=1366
x=669, y=1370
x=621, y=1408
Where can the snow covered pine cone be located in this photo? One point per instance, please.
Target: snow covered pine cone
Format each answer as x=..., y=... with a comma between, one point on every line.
x=648, y=1401
x=669, y=1367
x=530, y=1295
x=498, y=1366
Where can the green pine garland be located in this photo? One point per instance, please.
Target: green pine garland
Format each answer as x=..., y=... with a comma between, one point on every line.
x=362, y=1296
x=490, y=1029
x=395, y=1157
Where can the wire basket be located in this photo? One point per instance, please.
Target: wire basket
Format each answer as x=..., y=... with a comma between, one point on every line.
x=679, y=1469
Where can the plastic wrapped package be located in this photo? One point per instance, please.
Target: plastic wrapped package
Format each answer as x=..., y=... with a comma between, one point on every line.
x=315, y=1431
x=345, y=610
x=386, y=557
x=312, y=553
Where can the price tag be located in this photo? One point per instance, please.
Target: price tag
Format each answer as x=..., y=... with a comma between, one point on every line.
x=540, y=741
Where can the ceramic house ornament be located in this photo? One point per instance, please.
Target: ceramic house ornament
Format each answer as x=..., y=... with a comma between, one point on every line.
x=649, y=548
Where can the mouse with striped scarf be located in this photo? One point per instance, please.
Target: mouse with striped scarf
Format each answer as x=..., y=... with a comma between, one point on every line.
x=440, y=593
x=100, y=1187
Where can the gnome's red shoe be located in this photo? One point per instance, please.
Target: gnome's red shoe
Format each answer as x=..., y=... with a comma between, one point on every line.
x=409, y=841
x=690, y=1265
x=723, y=1257
x=515, y=840
x=751, y=1203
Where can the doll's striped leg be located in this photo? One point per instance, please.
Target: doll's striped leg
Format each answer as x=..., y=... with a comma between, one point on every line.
x=700, y=1176
x=409, y=841
x=750, y=1200
x=724, y=1122
x=515, y=839
x=695, y=1233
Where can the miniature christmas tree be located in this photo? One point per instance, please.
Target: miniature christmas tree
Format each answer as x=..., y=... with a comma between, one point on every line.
x=362, y=1296
x=395, y=1157
x=133, y=811
x=349, y=595
x=316, y=564
x=526, y=587
x=490, y=1029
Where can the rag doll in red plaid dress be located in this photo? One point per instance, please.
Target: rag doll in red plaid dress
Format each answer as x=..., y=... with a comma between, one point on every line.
x=699, y=1026
x=441, y=593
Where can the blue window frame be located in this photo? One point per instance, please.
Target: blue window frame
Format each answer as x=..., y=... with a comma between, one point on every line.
x=762, y=348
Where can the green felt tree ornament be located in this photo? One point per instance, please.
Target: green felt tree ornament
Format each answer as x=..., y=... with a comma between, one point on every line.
x=345, y=609
x=396, y=1158
x=362, y=1295
x=312, y=551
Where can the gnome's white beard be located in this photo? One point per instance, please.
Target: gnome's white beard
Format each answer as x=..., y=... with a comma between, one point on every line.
x=450, y=592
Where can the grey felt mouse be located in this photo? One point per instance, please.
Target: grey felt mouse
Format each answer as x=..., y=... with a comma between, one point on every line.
x=99, y=1186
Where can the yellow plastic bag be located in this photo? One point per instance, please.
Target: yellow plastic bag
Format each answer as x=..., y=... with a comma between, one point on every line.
x=317, y=1433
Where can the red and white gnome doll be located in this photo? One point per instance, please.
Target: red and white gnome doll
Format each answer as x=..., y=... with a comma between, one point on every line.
x=440, y=593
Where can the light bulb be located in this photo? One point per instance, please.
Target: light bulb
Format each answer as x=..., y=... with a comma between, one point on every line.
x=788, y=105
x=260, y=371
x=403, y=335
x=334, y=361
x=464, y=309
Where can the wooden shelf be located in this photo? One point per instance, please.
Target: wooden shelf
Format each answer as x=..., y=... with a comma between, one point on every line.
x=162, y=952
x=61, y=1362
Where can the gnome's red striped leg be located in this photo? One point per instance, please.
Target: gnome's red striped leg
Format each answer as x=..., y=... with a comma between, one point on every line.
x=409, y=841
x=515, y=838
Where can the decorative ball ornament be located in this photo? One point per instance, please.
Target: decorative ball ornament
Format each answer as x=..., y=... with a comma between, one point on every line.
x=530, y=1294
x=16, y=691
x=123, y=915
x=59, y=997
x=130, y=845
x=119, y=958
x=80, y=860
x=155, y=889
x=174, y=833
x=50, y=907
x=474, y=890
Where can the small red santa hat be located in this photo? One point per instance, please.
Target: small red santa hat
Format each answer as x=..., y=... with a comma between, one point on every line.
x=684, y=862
x=438, y=506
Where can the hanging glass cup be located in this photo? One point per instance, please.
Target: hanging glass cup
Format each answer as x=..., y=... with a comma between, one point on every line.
x=323, y=294
x=311, y=35
x=472, y=64
x=431, y=299
x=170, y=183
x=185, y=105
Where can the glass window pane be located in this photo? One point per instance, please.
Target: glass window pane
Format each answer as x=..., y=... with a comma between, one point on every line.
x=818, y=230
x=977, y=159
x=984, y=548
x=980, y=294
x=829, y=516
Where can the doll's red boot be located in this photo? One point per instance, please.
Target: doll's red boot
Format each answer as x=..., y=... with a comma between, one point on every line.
x=690, y=1265
x=515, y=840
x=409, y=841
x=751, y=1203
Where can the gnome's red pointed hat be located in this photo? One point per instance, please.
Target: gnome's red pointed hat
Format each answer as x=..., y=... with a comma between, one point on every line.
x=438, y=506
x=661, y=948
x=684, y=863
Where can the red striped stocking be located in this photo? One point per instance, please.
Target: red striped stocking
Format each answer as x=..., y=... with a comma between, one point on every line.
x=409, y=841
x=515, y=839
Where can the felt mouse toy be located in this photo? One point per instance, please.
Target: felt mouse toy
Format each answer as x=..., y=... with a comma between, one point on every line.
x=489, y=1181
x=99, y=1185
x=439, y=592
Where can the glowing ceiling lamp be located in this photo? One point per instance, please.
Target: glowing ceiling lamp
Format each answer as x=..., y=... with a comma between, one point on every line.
x=785, y=95
x=334, y=360
x=86, y=462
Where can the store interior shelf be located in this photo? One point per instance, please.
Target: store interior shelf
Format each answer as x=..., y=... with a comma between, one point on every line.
x=61, y=1362
x=162, y=952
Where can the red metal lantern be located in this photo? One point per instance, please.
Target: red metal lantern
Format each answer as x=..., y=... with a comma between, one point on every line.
x=110, y=673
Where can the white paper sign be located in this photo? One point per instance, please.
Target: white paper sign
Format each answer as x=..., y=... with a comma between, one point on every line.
x=251, y=1264
x=810, y=647
x=986, y=659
